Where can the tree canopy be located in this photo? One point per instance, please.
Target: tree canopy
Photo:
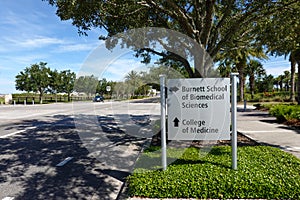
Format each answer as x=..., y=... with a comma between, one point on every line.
x=35, y=78
x=41, y=79
x=213, y=24
x=86, y=84
x=280, y=35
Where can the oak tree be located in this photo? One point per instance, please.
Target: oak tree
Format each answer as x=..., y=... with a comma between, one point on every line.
x=35, y=78
x=212, y=24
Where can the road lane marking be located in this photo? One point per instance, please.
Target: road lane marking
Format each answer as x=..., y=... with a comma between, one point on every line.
x=8, y=198
x=293, y=148
x=62, y=163
x=16, y=132
x=267, y=131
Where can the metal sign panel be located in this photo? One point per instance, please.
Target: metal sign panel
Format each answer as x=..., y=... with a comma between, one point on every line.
x=198, y=109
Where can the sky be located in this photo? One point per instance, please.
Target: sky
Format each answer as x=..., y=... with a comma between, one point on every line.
x=30, y=32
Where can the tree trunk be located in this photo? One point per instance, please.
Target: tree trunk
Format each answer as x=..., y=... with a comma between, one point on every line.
x=251, y=83
x=200, y=65
x=241, y=68
x=242, y=86
x=296, y=55
x=298, y=83
x=293, y=66
x=41, y=97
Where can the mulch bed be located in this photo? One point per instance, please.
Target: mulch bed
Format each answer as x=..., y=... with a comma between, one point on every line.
x=241, y=139
x=295, y=123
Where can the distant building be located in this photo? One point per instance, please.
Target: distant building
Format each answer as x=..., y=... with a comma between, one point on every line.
x=7, y=98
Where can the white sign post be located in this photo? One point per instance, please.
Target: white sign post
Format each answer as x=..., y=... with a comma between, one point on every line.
x=163, y=121
x=233, y=119
x=199, y=109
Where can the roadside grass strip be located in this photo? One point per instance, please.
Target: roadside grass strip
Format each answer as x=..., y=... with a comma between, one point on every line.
x=263, y=173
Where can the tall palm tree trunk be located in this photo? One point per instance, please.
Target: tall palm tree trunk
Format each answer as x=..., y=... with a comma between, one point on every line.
x=296, y=56
x=251, y=84
x=293, y=66
x=241, y=69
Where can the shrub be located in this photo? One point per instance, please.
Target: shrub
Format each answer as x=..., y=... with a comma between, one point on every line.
x=263, y=172
x=285, y=112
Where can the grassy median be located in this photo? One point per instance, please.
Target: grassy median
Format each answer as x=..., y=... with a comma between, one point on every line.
x=263, y=172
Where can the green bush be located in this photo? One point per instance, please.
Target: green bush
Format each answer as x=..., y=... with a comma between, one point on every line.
x=268, y=97
x=263, y=172
x=263, y=106
x=285, y=112
x=137, y=97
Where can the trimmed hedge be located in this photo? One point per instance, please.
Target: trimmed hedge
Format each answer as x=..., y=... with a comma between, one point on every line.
x=263, y=172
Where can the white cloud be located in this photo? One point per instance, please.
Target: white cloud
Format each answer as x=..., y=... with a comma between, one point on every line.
x=276, y=63
x=111, y=68
x=276, y=66
x=76, y=47
x=18, y=43
x=2, y=68
x=40, y=41
x=28, y=59
x=7, y=85
x=277, y=71
x=118, y=69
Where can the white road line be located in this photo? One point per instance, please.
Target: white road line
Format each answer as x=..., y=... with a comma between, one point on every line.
x=11, y=134
x=8, y=198
x=274, y=131
x=62, y=163
x=293, y=148
x=14, y=133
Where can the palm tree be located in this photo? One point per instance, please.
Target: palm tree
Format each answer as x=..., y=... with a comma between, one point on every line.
x=286, y=79
x=254, y=69
x=296, y=53
x=293, y=61
x=280, y=81
x=134, y=80
x=225, y=68
x=240, y=53
x=282, y=39
x=276, y=82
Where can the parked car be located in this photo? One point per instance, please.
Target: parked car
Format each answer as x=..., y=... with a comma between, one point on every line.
x=98, y=98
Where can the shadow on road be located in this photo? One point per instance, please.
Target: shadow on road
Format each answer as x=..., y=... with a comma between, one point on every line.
x=28, y=160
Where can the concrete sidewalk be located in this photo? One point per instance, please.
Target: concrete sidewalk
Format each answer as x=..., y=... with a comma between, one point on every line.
x=263, y=128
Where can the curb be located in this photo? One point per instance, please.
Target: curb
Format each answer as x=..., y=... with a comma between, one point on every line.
x=123, y=193
x=250, y=138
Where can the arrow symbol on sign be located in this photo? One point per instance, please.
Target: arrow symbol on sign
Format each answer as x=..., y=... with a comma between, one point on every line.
x=173, y=89
x=176, y=121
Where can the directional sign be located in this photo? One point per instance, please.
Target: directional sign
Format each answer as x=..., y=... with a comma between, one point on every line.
x=173, y=89
x=108, y=88
x=176, y=121
x=198, y=109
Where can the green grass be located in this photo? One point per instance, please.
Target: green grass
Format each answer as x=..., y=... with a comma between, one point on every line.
x=263, y=172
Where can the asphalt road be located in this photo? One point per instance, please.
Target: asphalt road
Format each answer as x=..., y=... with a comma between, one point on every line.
x=72, y=151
